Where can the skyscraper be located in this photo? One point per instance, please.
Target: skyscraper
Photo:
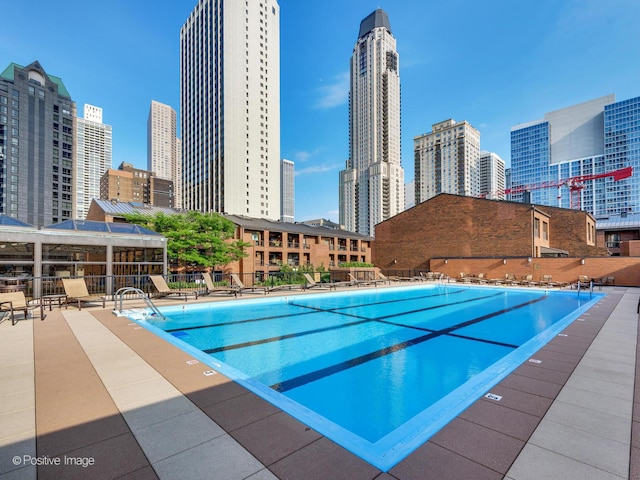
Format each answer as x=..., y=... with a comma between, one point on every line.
x=591, y=138
x=492, y=177
x=37, y=146
x=372, y=184
x=287, y=191
x=230, y=107
x=94, y=157
x=446, y=160
x=163, y=152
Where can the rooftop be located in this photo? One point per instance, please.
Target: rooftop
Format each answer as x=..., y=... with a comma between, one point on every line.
x=377, y=18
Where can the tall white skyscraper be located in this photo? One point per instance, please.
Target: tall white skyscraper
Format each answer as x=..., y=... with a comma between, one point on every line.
x=287, y=191
x=447, y=160
x=230, y=107
x=372, y=184
x=492, y=178
x=94, y=156
x=163, y=147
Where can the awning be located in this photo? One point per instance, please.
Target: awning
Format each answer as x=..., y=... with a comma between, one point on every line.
x=553, y=252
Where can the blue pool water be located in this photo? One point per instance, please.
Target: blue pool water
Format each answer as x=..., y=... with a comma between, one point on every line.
x=378, y=371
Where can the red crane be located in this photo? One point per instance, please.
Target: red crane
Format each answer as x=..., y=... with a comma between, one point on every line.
x=575, y=184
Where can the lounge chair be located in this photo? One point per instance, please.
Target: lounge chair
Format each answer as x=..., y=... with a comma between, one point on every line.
x=527, y=280
x=13, y=302
x=510, y=279
x=76, y=291
x=286, y=286
x=243, y=288
x=165, y=291
x=383, y=278
x=464, y=278
x=311, y=283
x=357, y=282
x=547, y=280
x=480, y=278
x=211, y=288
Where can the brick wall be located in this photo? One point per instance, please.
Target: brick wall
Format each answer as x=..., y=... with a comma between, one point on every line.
x=452, y=226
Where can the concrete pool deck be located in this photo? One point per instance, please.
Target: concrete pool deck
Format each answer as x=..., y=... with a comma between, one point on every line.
x=86, y=394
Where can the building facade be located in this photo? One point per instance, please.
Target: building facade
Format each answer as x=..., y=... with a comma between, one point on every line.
x=94, y=157
x=492, y=176
x=130, y=184
x=37, y=146
x=455, y=226
x=590, y=139
x=447, y=161
x=271, y=243
x=163, y=147
x=371, y=187
x=287, y=191
x=230, y=108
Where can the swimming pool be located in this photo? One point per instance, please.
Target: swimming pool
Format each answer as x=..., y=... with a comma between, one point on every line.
x=378, y=371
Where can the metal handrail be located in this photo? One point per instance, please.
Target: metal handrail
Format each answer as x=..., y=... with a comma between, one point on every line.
x=590, y=288
x=119, y=295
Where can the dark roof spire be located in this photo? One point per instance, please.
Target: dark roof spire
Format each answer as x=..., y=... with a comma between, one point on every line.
x=378, y=18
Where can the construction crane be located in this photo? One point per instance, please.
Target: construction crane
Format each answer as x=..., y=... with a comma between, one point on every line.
x=575, y=184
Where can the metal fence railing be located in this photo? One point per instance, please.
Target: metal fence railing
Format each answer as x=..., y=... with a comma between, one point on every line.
x=37, y=287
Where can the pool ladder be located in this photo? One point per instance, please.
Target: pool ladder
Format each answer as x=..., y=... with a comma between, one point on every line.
x=590, y=288
x=119, y=296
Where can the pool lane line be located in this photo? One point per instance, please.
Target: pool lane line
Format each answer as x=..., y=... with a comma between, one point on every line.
x=432, y=307
x=252, y=343
x=236, y=322
x=373, y=304
x=314, y=310
x=360, y=321
x=310, y=377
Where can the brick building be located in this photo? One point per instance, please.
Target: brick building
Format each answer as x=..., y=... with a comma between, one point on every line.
x=130, y=184
x=453, y=226
x=273, y=243
x=620, y=234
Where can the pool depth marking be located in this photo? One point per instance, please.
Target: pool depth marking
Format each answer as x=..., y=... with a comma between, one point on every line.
x=354, y=362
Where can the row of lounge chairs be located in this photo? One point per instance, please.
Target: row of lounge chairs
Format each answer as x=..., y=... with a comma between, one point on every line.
x=76, y=292
x=510, y=280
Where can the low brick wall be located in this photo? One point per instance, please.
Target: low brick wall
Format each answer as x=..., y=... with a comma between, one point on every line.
x=625, y=270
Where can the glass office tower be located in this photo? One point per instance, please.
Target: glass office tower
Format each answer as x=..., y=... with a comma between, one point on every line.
x=589, y=139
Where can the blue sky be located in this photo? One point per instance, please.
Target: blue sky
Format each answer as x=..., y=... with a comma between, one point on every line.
x=494, y=63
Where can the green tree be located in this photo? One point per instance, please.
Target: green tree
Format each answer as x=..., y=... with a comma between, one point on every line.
x=204, y=239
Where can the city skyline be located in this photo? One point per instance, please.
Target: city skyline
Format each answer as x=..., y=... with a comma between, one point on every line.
x=516, y=64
